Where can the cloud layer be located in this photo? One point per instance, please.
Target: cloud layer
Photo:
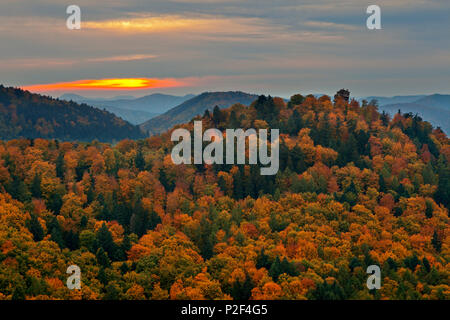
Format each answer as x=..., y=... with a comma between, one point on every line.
x=261, y=46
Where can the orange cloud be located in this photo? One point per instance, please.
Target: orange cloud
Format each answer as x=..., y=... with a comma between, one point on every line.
x=133, y=57
x=108, y=84
x=147, y=24
x=200, y=24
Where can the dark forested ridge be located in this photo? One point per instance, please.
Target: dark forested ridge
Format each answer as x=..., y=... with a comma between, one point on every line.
x=355, y=188
x=27, y=115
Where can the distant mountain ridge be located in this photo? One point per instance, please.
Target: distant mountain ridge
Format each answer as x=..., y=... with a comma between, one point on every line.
x=433, y=108
x=196, y=106
x=132, y=109
x=438, y=100
x=134, y=117
x=395, y=99
x=27, y=115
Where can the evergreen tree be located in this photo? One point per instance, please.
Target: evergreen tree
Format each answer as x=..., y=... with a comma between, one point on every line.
x=429, y=177
x=139, y=222
x=36, y=186
x=398, y=211
x=217, y=115
x=429, y=209
x=242, y=290
x=60, y=167
x=56, y=236
x=275, y=269
x=167, y=183
x=124, y=268
x=443, y=191
x=55, y=202
x=19, y=293
x=18, y=190
x=102, y=276
x=436, y=242
x=233, y=121
x=205, y=238
x=102, y=258
x=325, y=291
x=263, y=260
x=238, y=185
x=105, y=241
x=139, y=160
x=71, y=240
x=35, y=228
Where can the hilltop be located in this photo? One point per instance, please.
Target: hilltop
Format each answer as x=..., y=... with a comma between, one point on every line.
x=27, y=115
x=196, y=106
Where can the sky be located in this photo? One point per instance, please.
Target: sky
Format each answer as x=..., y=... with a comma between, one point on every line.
x=277, y=47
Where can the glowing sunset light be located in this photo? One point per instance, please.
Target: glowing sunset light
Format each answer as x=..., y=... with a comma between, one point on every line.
x=108, y=84
x=162, y=23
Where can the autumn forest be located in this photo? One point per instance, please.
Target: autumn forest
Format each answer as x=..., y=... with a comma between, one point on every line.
x=355, y=188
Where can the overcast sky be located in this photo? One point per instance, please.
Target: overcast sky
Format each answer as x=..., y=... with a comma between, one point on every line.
x=277, y=47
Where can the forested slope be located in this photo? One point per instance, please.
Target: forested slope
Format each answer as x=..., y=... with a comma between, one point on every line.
x=27, y=115
x=355, y=188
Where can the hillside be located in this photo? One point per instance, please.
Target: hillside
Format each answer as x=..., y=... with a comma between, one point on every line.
x=196, y=106
x=354, y=189
x=433, y=108
x=133, y=110
x=27, y=115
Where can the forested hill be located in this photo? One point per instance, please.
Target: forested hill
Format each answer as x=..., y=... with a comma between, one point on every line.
x=27, y=115
x=196, y=106
x=355, y=189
